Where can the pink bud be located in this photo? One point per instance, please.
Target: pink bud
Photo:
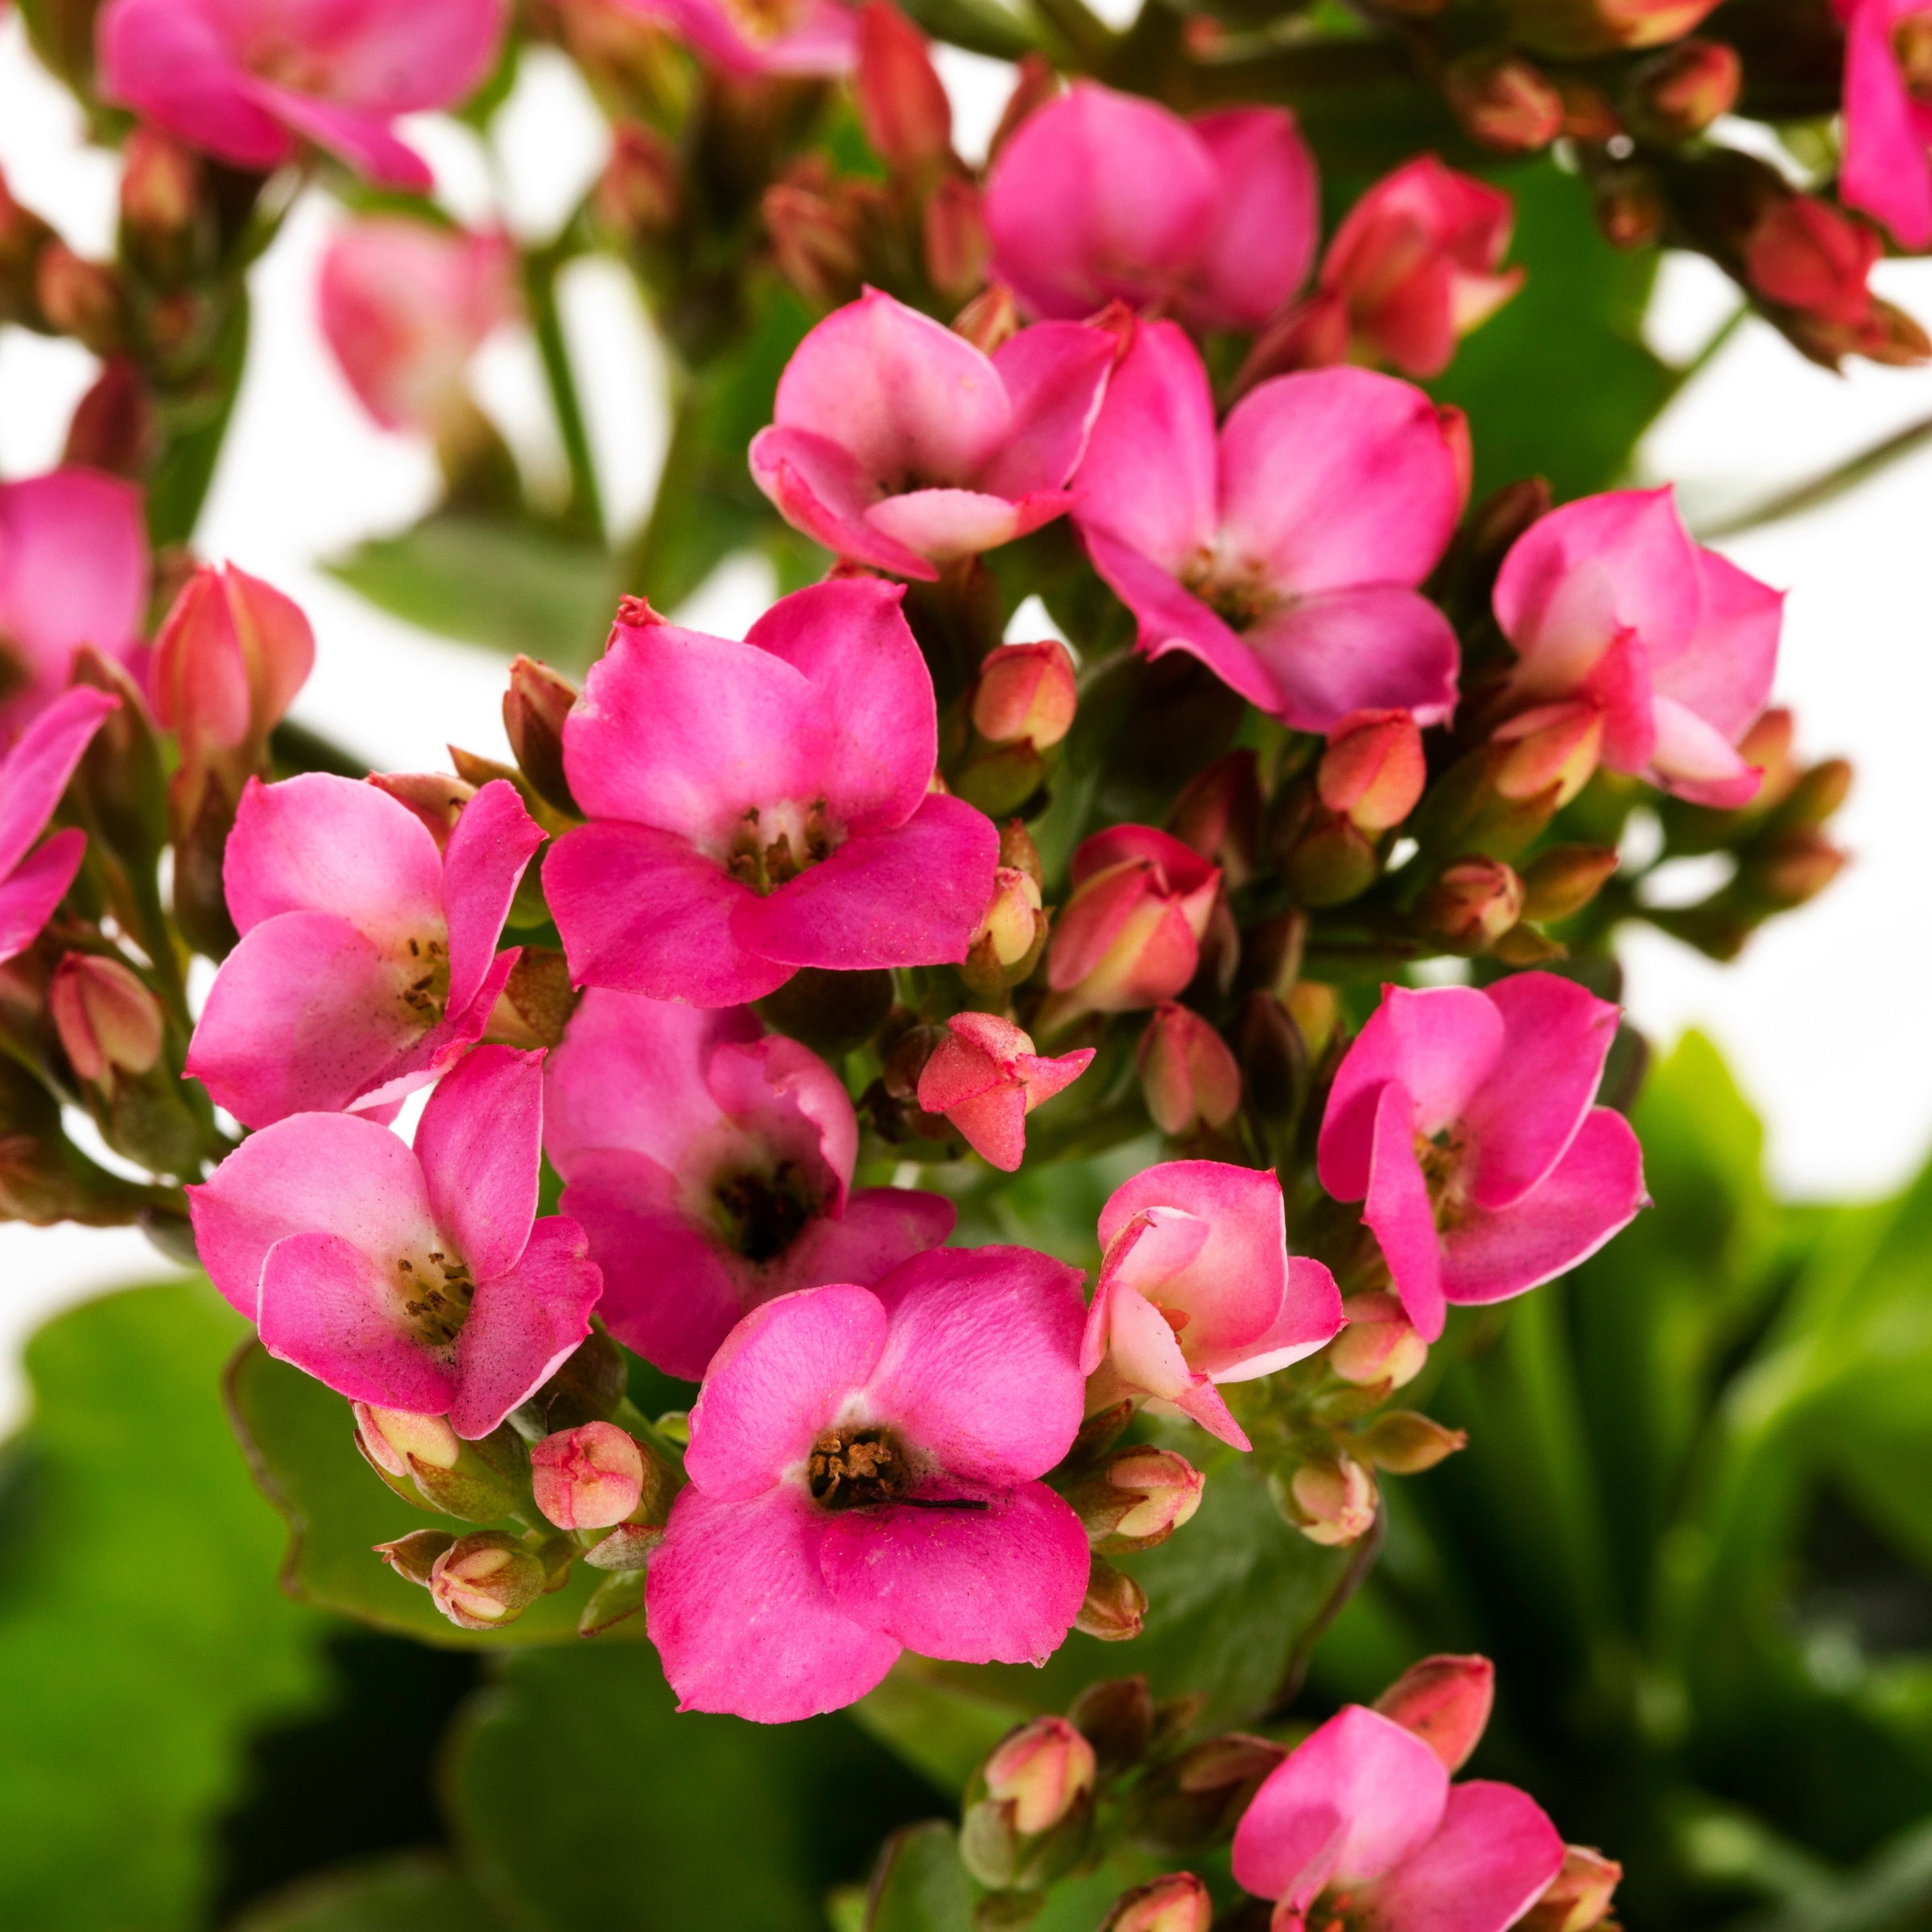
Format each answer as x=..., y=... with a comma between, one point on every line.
x=815, y=237
x=484, y=1581
x=107, y=1020
x=1379, y=1344
x=1334, y=1500
x=1042, y=1770
x=160, y=180
x=1472, y=905
x=391, y=1437
x=535, y=706
x=1025, y=691
x=1680, y=92
x=639, y=192
x=1010, y=937
x=1187, y=1073
x=1556, y=745
x=1579, y=1897
x=986, y=1078
x=587, y=1478
x=232, y=654
x=957, y=246
x=1373, y=770
x=1445, y=1701
x=1503, y=101
x=1130, y=935
x=902, y=101
x=1137, y=1498
x=1219, y=815
x=1177, y=1903
x=112, y=426
x=990, y=320
x=1804, y=254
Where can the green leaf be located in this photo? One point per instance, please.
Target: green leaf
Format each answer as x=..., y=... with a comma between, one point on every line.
x=416, y=1892
x=982, y=26
x=193, y=417
x=142, y=1637
x=919, y=1885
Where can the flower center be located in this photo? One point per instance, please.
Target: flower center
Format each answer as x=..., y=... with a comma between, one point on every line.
x=857, y=1469
x=426, y=991
x=1440, y=1156
x=1241, y=594
x=775, y=842
x=288, y=64
x=436, y=1292
x=1912, y=42
x=762, y=22
x=763, y=1214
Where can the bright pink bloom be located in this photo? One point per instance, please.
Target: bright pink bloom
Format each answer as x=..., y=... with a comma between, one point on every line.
x=405, y=306
x=864, y=1466
x=73, y=571
x=33, y=775
x=760, y=806
x=1360, y=1822
x=1197, y=1287
x=1102, y=196
x=896, y=443
x=1465, y=1119
x=1887, y=170
x=771, y=37
x=711, y=1168
x=986, y=1078
x=1284, y=554
x=1608, y=599
x=367, y=960
x=411, y=1279
x=1130, y=936
x=244, y=80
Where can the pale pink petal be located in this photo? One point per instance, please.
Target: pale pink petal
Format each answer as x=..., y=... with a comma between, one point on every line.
x=1056, y=374
x=880, y=1228
x=480, y=1143
x=778, y=1076
x=1045, y=1075
x=1202, y=1402
x=945, y=525
x=778, y=1381
x=994, y=1123
x=1724, y=672
x=1350, y=1801
x=1693, y=759
x=998, y=1585
x=359, y=135
x=1311, y=1317
x=1266, y=219
x=432, y=53
x=1142, y=1344
x=168, y=61
x=742, y=1619
x=487, y=852
x=29, y=893
x=1399, y=1212
x=820, y=488
x=1491, y=1859
x=1153, y=1245
x=1885, y=171
x=1381, y=648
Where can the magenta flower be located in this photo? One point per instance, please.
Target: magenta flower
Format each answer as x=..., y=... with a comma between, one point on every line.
x=1608, y=599
x=760, y=806
x=1285, y=555
x=710, y=1168
x=986, y=1078
x=367, y=960
x=1198, y=1287
x=33, y=775
x=418, y=1279
x=1361, y=1823
x=864, y=1467
x=897, y=443
x=73, y=571
x=1465, y=1118
x=245, y=79
x=1102, y=196
x=770, y=37
x=1887, y=170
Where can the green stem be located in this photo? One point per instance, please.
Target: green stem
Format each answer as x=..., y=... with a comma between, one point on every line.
x=1082, y=32
x=1822, y=489
x=540, y=274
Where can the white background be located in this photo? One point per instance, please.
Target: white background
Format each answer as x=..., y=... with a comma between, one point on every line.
x=1825, y=1020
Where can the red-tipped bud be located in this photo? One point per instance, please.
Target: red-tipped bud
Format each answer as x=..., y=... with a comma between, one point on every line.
x=1380, y=1344
x=957, y=244
x=109, y=1023
x=638, y=194
x=426, y=1462
x=160, y=184
x=816, y=240
x=1331, y=1502
x=902, y=101
x=1042, y=1770
x=1579, y=1897
x=1405, y=1443
x=1565, y=879
x=232, y=654
x=1471, y=905
x=1025, y=692
x=1219, y=815
x=1018, y=853
x=1573, y=29
x=1629, y=205
x=79, y=298
x=1188, y=1075
x=1445, y=1701
x=1587, y=114
x=414, y=1557
x=484, y=1581
x=1767, y=745
x=1503, y=101
x=112, y=425
x=1556, y=745
x=1795, y=866
x=1138, y=1497
x=1373, y=772
x=1802, y=254
x=587, y=1478
x=1680, y=92
x=535, y=706
x=990, y=320
x=1130, y=935
x=1011, y=936
x=1115, y=1610
x=1176, y=1903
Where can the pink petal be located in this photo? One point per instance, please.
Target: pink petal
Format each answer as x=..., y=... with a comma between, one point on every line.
x=1046, y=1075
x=359, y=135
x=999, y=1585
x=1382, y=648
x=1056, y=374
x=1724, y=672
x=778, y=1076
x=742, y=1618
x=1556, y=1037
x=29, y=895
x=1885, y=171
x=1171, y=1238
x=640, y=911
x=523, y=1325
x=880, y=1228
x=994, y=1125
x=480, y=1143
x=437, y=1050
x=1311, y=1317
x=913, y=897
x=1596, y=1189
x=779, y=1380
x=35, y=773
x=1356, y=1798
x=823, y=42
x=819, y=488
x=487, y=852
x=1262, y=238
x=1142, y=1344
x=945, y=525
x=1489, y=1861
x=1399, y=1212
x=1202, y=1402
x=1693, y=759
x=981, y=1366
x=169, y=62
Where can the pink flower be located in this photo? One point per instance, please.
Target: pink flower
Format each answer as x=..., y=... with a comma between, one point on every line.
x=244, y=80
x=33, y=775
x=73, y=571
x=367, y=960
x=1608, y=599
x=405, y=306
x=1197, y=1287
x=1465, y=1119
x=1102, y=196
x=986, y=1078
x=418, y=1279
x=760, y=806
x=762, y=36
x=1889, y=115
x=1360, y=1819
x=897, y=443
x=864, y=1466
x=1285, y=555
x=710, y=1168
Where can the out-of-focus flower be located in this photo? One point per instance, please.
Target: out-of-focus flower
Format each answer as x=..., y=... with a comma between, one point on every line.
x=33, y=774
x=1887, y=170
x=762, y=36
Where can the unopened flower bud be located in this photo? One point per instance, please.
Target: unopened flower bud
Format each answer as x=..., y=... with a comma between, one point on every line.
x=1177, y=1903
x=587, y=1478
x=1565, y=879
x=816, y=240
x=1680, y=92
x=1014, y=927
x=397, y=1441
x=1116, y=1716
x=1130, y=935
x=1405, y=1443
x=1116, y=1607
x=414, y=1557
x=1552, y=746
x=1372, y=772
x=1445, y=1701
x=628, y=1546
x=1182, y=1806
x=1503, y=101
x=902, y=101
x=1273, y=1058
x=109, y=1023
x=1137, y=1498
x=1333, y=862
x=160, y=184
x=990, y=319
x=1813, y=795
x=1018, y=851
x=113, y=424
x=1587, y=114
x=535, y=706
x=1042, y=1770
x=1573, y=29
x=1024, y=693
x=428, y=1463
x=1579, y=1897
x=1331, y=1502
x=1804, y=254
x=1380, y=1344
x=1471, y=905
x=1189, y=1076
x=957, y=247
x=1767, y=745
x=1219, y=815
x=1316, y=1010
x=434, y=798
x=1629, y=204
x=1794, y=866
x=639, y=193
x=483, y=1581
x=79, y=298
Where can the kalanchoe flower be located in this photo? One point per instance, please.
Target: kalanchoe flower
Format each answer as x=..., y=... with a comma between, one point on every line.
x=486, y=1580
x=1446, y=1702
x=245, y=79
x=412, y=1278
x=1332, y=1500
x=771, y=37
x=760, y=806
x=1101, y=196
x=1888, y=171
x=1043, y=1770
x=588, y=1477
x=710, y=1168
x=33, y=775
x=405, y=306
x=1373, y=771
x=1197, y=1287
x=1360, y=1821
x=896, y=443
x=986, y=1078
x=863, y=1467
x=1608, y=599
x=367, y=960
x=1283, y=553
x=1465, y=1119
x=1025, y=692
x=73, y=571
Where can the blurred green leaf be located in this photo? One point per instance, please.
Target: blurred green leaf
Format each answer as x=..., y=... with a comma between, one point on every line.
x=981, y=26
x=417, y=1892
x=193, y=419
x=919, y=1885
